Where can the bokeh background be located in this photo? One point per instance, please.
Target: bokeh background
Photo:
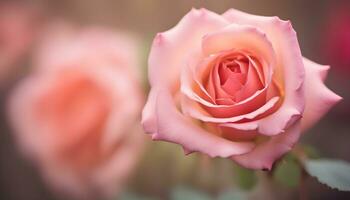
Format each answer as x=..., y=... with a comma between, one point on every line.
x=323, y=29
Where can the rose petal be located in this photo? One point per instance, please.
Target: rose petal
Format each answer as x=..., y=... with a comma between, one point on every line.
x=225, y=73
x=198, y=73
x=171, y=49
x=214, y=80
x=239, y=37
x=253, y=84
x=189, y=77
x=289, y=65
x=248, y=105
x=264, y=155
x=245, y=106
x=149, y=119
x=178, y=128
x=232, y=84
x=194, y=110
x=319, y=99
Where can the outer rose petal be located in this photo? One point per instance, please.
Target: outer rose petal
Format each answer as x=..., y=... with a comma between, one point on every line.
x=171, y=49
x=177, y=130
x=265, y=154
x=149, y=119
x=319, y=99
x=289, y=71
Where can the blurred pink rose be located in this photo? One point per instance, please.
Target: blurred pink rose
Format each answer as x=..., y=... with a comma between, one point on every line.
x=337, y=35
x=18, y=25
x=77, y=113
x=233, y=85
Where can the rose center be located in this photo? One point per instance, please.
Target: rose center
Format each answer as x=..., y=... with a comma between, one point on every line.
x=234, y=77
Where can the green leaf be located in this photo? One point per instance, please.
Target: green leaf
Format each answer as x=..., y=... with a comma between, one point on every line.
x=333, y=173
x=245, y=178
x=184, y=193
x=232, y=195
x=288, y=172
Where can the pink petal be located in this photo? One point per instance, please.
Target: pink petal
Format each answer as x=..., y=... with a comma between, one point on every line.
x=237, y=135
x=188, y=80
x=214, y=80
x=195, y=111
x=198, y=68
x=319, y=99
x=289, y=71
x=232, y=84
x=171, y=49
x=239, y=37
x=149, y=119
x=225, y=101
x=225, y=73
x=265, y=73
x=264, y=155
x=209, y=87
x=248, y=105
x=268, y=125
x=252, y=85
x=178, y=128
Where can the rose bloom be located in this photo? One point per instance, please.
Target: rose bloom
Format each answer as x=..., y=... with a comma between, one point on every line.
x=18, y=28
x=76, y=114
x=234, y=86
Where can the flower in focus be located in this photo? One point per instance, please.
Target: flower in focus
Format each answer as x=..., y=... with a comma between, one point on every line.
x=76, y=114
x=233, y=85
x=18, y=27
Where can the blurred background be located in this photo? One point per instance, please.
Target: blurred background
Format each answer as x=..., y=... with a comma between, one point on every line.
x=323, y=29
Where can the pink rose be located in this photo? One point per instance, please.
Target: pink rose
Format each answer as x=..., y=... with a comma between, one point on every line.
x=76, y=115
x=233, y=85
x=18, y=27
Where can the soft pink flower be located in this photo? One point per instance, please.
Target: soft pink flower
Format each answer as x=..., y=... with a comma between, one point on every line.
x=76, y=115
x=19, y=24
x=233, y=85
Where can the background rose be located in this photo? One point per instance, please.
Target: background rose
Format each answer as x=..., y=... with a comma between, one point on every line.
x=19, y=24
x=234, y=85
x=76, y=113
